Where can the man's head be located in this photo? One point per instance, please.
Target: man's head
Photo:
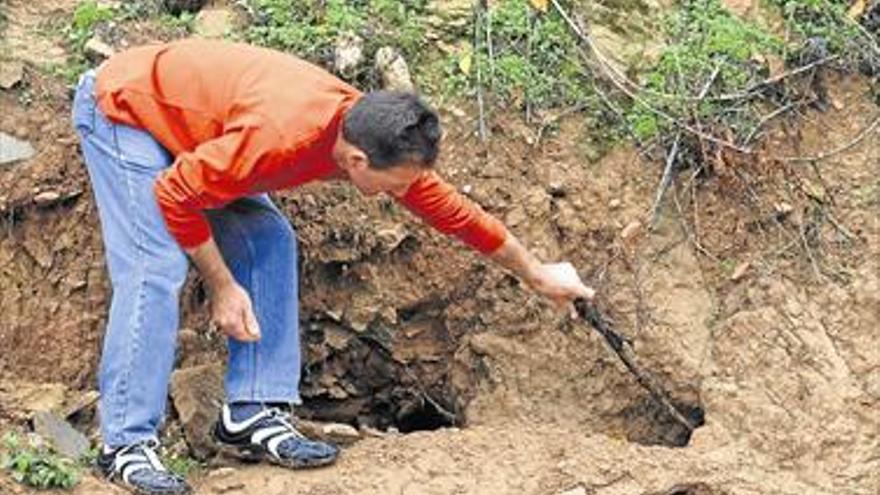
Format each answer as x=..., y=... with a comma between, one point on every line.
x=388, y=138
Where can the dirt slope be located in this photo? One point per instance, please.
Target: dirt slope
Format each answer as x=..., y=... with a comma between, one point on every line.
x=784, y=361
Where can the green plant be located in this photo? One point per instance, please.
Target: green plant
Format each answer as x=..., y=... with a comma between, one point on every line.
x=533, y=59
x=311, y=28
x=707, y=45
x=185, y=22
x=819, y=19
x=37, y=467
x=80, y=29
x=181, y=465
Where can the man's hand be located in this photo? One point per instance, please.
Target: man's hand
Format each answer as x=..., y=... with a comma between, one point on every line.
x=231, y=307
x=232, y=312
x=559, y=282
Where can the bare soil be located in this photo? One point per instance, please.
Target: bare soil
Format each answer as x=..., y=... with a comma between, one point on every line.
x=783, y=360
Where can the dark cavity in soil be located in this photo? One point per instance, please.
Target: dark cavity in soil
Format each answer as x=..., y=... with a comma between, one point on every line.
x=648, y=423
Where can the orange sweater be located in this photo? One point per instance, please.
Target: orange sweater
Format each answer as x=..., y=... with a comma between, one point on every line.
x=242, y=120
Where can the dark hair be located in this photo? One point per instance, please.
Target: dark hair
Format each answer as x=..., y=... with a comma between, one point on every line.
x=393, y=127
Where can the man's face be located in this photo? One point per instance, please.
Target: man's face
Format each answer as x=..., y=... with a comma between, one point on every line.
x=394, y=181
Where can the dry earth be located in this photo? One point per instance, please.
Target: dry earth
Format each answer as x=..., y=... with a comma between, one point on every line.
x=784, y=360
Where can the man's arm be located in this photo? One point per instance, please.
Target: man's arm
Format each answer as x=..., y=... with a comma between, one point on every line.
x=441, y=206
x=558, y=282
x=231, y=308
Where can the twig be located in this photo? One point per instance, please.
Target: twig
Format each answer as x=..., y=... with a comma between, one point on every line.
x=806, y=244
x=690, y=237
x=489, y=44
x=555, y=118
x=478, y=15
x=623, y=348
x=619, y=79
x=840, y=228
x=767, y=118
x=610, y=71
x=665, y=181
x=846, y=147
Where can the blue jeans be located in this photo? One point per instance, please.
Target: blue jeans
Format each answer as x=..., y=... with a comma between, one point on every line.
x=147, y=269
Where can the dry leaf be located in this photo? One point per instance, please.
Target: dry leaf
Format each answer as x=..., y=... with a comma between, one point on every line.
x=540, y=5
x=857, y=9
x=465, y=62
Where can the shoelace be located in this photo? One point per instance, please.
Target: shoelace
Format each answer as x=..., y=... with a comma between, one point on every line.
x=284, y=418
x=142, y=450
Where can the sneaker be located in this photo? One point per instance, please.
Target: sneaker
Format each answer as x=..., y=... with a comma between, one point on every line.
x=268, y=435
x=138, y=468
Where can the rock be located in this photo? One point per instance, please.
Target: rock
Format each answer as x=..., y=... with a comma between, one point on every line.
x=631, y=230
x=614, y=204
x=369, y=431
x=63, y=438
x=220, y=480
x=783, y=208
x=740, y=271
x=23, y=399
x=11, y=73
x=348, y=55
x=47, y=198
x=340, y=433
x=311, y=429
x=13, y=150
x=391, y=237
x=197, y=393
x=97, y=50
x=448, y=18
x=393, y=69
x=578, y=490
x=81, y=403
x=215, y=22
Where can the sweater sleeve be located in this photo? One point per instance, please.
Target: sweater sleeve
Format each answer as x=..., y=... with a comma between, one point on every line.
x=441, y=206
x=214, y=173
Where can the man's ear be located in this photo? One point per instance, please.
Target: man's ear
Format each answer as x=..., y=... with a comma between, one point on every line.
x=357, y=159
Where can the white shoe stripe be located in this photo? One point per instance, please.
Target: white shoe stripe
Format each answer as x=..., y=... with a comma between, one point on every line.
x=234, y=427
x=121, y=461
x=273, y=444
x=132, y=468
x=264, y=433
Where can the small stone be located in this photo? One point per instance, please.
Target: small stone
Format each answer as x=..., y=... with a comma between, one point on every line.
x=11, y=73
x=63, y=437
x=47, y=198
x=219, y=479
x=13, y=150
x=614, y=204
x=369, y=431
x=467, y=188
x=348, y=54
x=783, y=208
x=97, y=50
x=391, y=237
x=457, y=112
x=631, y=230
x=197, y=393
x=213, y=22
x=395, y=73
x=340, y=433
x=740, y=271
